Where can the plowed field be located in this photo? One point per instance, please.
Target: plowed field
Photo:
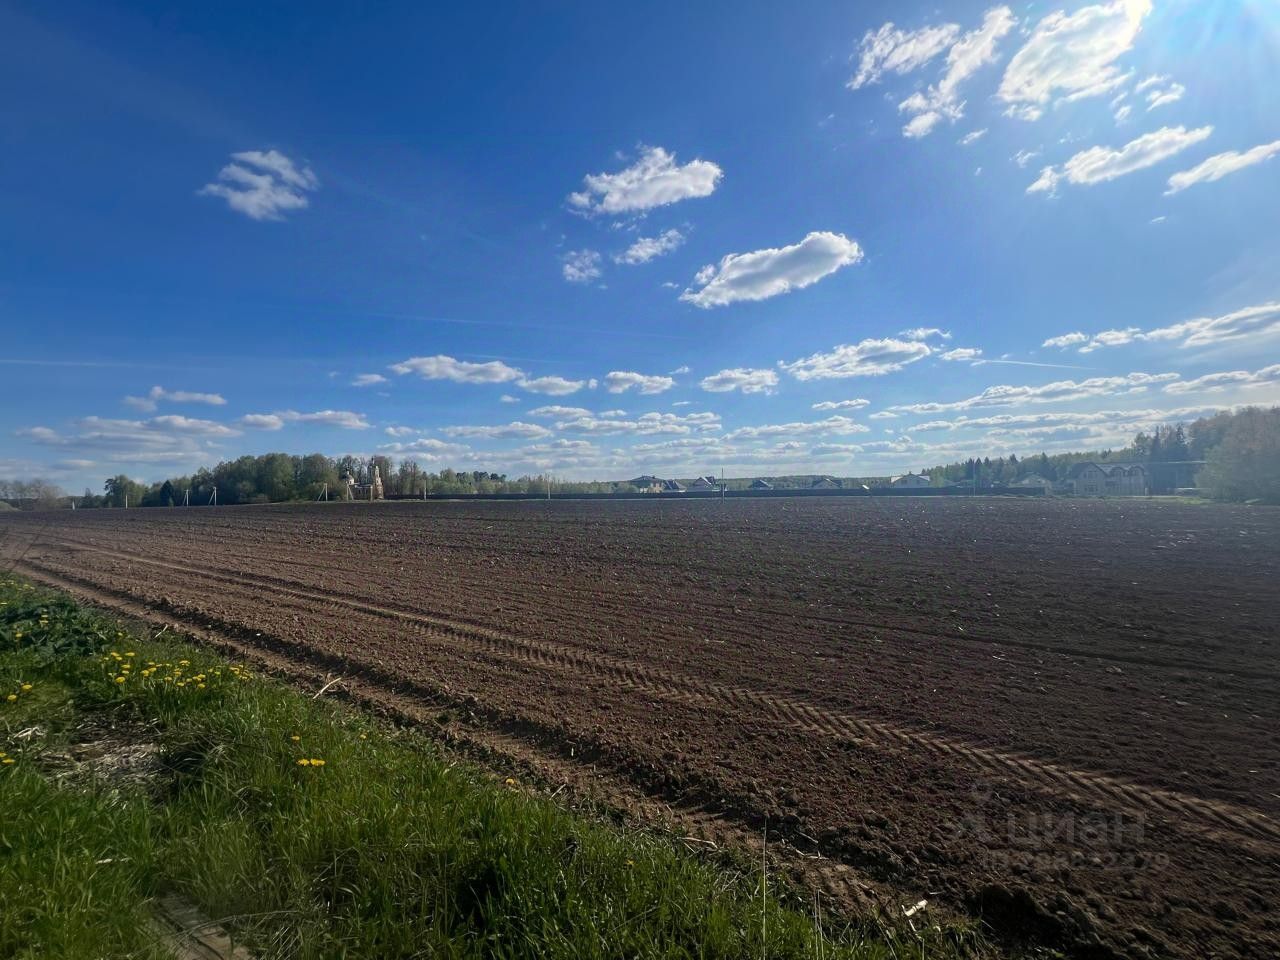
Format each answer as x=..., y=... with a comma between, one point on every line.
x=1062, y=716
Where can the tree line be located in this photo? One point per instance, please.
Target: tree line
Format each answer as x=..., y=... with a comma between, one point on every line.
x=282, y=477
x=1229, y=456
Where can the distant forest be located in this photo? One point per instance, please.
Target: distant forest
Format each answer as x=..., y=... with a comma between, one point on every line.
x=1229, y=456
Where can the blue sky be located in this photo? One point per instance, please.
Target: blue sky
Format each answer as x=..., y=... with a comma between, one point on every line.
x=809, y=237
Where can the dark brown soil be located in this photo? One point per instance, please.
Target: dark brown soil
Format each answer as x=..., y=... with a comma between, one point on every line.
x=1062, y=716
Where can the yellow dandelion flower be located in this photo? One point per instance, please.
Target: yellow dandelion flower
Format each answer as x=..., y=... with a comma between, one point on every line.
x=511, y=781
x=364, y=736
x=199, y=686
x=25, y=687
x=12, y=697
x=130, y=654
x=295, y=738
x=304, y=762
x=7, y=761
x=121, y=679
x=18, y=635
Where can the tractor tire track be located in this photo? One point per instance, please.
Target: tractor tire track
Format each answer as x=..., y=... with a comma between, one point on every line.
x=1216, y=819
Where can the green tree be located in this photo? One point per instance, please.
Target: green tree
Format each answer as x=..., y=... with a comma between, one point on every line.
x=1246, y=464
x=122, y=491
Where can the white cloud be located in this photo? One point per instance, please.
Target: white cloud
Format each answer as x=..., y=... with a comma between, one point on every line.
x=620, y=381
x=857, y=404
x=556, y=412
x=1152, y=81
x=1217, y=382
x=1098, y=89
x=972, y=137
x=647, y=248
x=190, y=426
x=159, y=439
x=654, y=180
x=770, y=272
x=883, y=415
x=427, y=449
x=44, y=435
x=924, y=333
x=1006, y=395
x=158, y=434
x=1068, y=55
x=969, y=54
x=156, y=394
x=921, y=125
x=400, y=431
x=1122, y=113
x=273, y=186
x=1066, y=340
x=1023, y=157
x=1258, y=321
x=962, y=353
x=551, y=386
x=679, y=370
x=1072, y=419
x=1171, y=94
x=368, y=380
x=508, y=398
x=647, y=425
x=741, y=378
x=580, y=266
x=836, y=425
x=441, y=367
x=333, y=418
x=1219, y=165
x=890, y=50
x=1100, y=164
x=507, y=431
x=262, y=421
x=868, y=358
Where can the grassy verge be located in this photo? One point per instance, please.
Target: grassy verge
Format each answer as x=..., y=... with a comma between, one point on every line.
x=134, y=769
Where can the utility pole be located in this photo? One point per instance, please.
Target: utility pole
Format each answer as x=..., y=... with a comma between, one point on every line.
x=213, y=498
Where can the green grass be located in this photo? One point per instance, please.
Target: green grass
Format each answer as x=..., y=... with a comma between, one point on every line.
x=390, y=848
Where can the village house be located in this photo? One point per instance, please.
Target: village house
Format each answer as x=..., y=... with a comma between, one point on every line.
x=910, y=481
x=1091, y=479
x=705, y=483
x=826, y=483
x=650, y=484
